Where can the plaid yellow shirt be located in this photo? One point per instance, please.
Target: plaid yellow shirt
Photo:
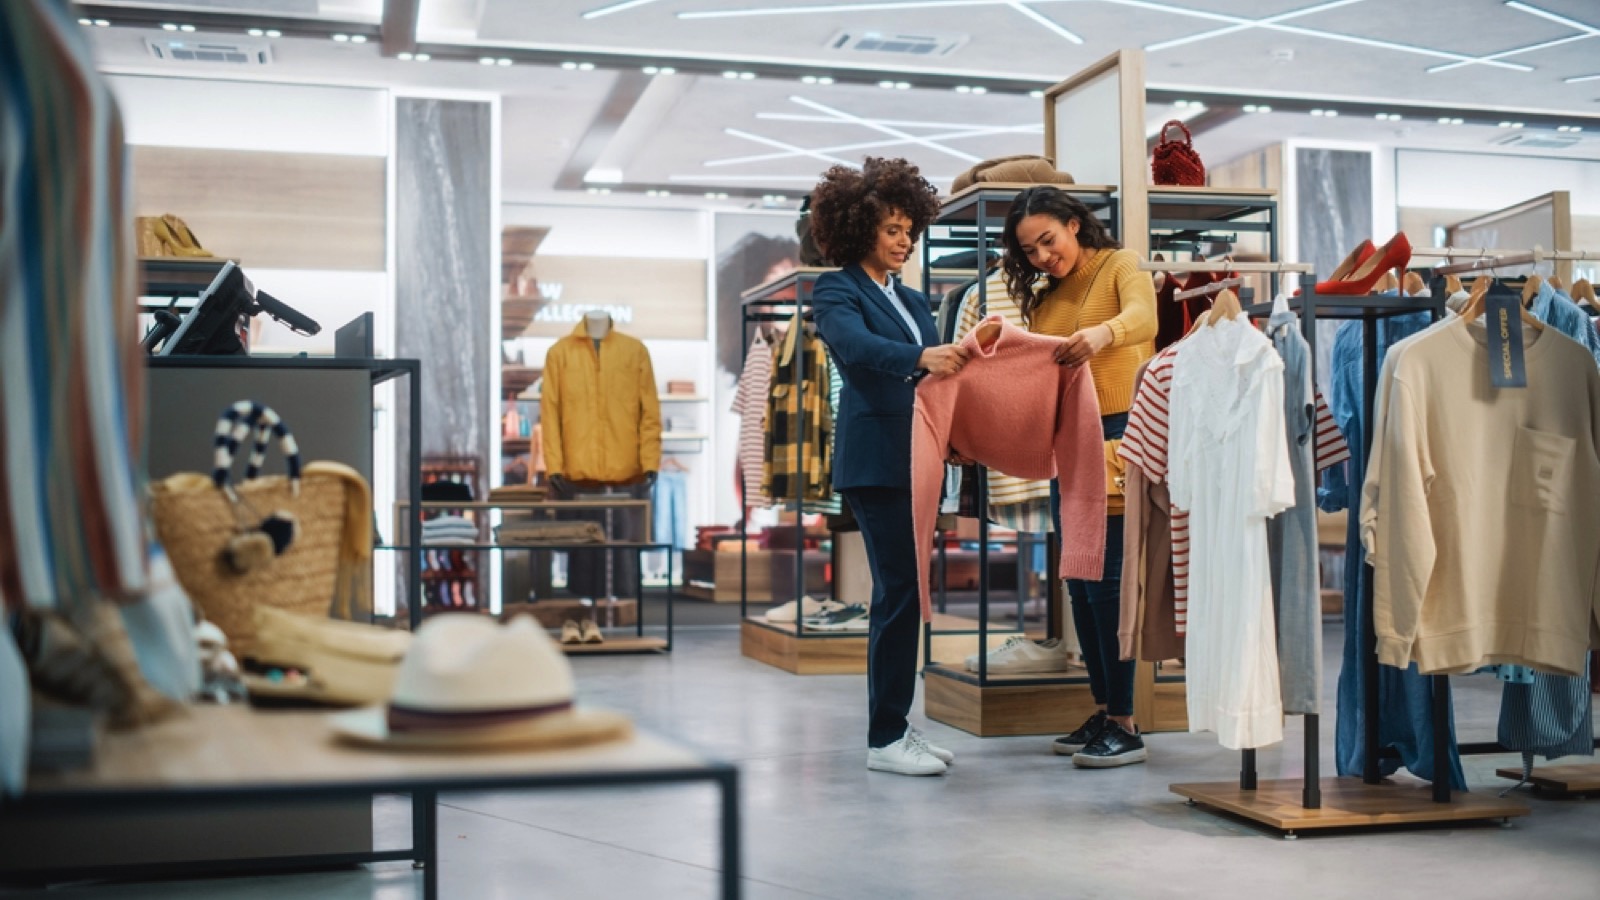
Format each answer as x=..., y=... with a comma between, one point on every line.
x=793, y=415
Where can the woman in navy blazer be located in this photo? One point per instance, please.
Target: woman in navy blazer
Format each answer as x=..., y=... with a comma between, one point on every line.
x=882, y=338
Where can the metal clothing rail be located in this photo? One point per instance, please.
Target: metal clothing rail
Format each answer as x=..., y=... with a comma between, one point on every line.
x=1484, y=258
x=1243, y=268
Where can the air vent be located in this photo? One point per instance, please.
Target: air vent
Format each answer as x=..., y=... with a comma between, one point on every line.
x=227, y=53
x=906, y=43
x=1537, y=141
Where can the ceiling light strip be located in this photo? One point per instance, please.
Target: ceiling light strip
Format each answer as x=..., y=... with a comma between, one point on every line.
x=897, y=123
x=1579, y=79
x=892, y=132
x=616, y=8
x=798, y=151
x=1231, y=29
x=1445, y=67
x=865, y=145
x=1044, y=20
x=1554, y=17
x=836, y=8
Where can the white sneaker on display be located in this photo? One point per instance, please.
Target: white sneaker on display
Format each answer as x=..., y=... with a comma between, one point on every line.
x=907, y=756
x=1021, y=655
x=940, y=753
x=785, y=612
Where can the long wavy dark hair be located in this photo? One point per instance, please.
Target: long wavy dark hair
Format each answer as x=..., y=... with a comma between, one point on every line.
x=1022, y=279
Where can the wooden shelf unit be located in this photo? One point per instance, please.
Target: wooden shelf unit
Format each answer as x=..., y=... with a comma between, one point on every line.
x=1567, y=780
x=1347, y=803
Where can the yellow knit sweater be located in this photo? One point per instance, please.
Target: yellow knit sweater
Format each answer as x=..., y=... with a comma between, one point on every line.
x=1123, y=298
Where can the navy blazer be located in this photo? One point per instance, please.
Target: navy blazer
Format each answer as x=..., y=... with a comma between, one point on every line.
x=877, y=359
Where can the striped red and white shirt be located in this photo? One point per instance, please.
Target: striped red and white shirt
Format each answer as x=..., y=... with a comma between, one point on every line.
x=1145, y=445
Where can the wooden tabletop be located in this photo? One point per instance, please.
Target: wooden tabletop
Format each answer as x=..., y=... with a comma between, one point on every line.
x=238, y=749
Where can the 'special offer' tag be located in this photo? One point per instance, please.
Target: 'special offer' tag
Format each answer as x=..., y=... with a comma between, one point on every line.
x=1502, y=316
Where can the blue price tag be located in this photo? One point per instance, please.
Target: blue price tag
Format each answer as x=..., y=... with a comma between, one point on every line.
x=1502, y=316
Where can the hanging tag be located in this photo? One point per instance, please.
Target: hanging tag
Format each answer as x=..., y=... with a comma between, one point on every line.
x=1502, y=316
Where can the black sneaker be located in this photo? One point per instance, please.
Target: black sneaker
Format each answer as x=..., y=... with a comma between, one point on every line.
x=1115, y=746
x=1083, y=737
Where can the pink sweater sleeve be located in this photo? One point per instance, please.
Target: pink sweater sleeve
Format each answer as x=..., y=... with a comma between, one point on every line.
x=1081, y=469
x=930, y=437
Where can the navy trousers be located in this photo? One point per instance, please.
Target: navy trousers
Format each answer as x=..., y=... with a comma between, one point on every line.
x=884, y=515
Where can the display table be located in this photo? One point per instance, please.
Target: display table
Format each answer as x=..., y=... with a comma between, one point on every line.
x=231, y=753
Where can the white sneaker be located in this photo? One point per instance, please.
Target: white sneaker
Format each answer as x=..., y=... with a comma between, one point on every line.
x=1021, y=655
x=907, y=756
x=943, y=755
x=785, y=612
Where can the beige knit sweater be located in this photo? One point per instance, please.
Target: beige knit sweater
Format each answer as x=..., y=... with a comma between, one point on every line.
x=1487, y=541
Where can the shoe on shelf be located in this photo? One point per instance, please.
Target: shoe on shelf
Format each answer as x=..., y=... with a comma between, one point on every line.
x=784, y=613
x=1391, y=256
x=847, y=618
x=1020, y=655
x=1114, y=747
x=939, y=753
x=1069, y=745
x=571, y=633
x=589, y=632
x=907, y=756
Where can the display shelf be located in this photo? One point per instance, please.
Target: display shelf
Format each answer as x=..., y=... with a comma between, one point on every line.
x=817, y=653
x=1576, y=779
x=1347, y=803
x=990, y=201
x=614, y=646
x=683, y=398
x=1005, y=705
x=684, y=436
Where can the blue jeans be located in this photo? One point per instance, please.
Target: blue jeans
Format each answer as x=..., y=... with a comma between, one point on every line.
x=1097, y=607
x=670, y=510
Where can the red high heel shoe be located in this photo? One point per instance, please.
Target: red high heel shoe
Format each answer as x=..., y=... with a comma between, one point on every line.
x=1357, y=256
x=1393, y=255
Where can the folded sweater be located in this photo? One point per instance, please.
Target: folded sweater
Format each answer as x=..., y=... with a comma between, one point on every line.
x=1014, y=409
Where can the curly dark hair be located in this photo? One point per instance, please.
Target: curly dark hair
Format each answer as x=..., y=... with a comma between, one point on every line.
x=1022, y=279
x=848, y=205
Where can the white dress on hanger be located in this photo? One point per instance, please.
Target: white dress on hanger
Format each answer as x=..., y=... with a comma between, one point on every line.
x=1230, y=469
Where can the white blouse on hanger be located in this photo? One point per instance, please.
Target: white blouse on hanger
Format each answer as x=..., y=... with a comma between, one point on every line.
x=1230, y=469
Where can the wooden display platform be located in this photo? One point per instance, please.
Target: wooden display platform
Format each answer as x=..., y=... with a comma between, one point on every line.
x=845, y=652
x=1580, y=778
x=1160, y=703
x=951, y=695
x=1347, y=803
x=617, y=645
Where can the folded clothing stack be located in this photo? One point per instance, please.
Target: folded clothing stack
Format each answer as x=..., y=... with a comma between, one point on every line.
x=449, y=530
x=518, y=492
x=550, y=532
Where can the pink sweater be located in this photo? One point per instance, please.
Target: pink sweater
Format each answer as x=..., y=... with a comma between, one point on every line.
x=1013, y=409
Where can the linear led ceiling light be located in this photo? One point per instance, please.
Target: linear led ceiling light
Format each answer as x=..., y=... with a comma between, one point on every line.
x=1578, y=79
x=616, y=8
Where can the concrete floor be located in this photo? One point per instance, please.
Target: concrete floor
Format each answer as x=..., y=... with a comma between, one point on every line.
x=1011, y=820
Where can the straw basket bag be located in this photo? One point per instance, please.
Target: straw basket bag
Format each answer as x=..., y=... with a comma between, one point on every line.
x=301, y=543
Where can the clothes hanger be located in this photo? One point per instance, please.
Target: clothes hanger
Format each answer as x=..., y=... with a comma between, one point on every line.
x=1387, y=283
x=1555, y=282
x=1160, y=278
x=671, y=464
x=1414, y=285
x=1452, y=284
x=1226, y=306
x=1583, y=292
x=1476, y=304
x=1530, y=288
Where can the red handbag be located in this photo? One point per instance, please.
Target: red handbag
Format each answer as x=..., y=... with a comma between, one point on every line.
x=1176, y=162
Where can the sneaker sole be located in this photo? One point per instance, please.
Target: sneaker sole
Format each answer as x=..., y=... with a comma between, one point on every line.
x=1032, y=668
x=1132, y=757
x=1067, y=749
x=906, y=770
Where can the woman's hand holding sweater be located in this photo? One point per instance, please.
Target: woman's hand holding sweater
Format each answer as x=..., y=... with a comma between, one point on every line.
x=1082, y=346
x=946, y=359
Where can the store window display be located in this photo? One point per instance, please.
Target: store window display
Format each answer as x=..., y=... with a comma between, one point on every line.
x=1074, y=281
x=882, y=337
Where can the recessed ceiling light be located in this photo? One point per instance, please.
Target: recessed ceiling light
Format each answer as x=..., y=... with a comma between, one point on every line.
x=86, y=22
x=1444, y=120
x=422, y=57
x=780, y=198
x=186, y=29
x=747, y=76
x=902, y=85
x=730, y=74
x=102, y=23
x=1458, y=121
x=886, y=85
x=825, y=79
x=668, y=70
x=358, y=39
x=980, y=89
x=1505, y=124
x=255, y=32
x=502, y=61
x=168, y=26
x=1181, y=104
x=489, y=61
x=403, y=56
x=342, y=38
x=1516, y=124
x=1263, y=108
x=569, y=65
x=808, y=79
x=1037, y=95
x=586, y=67
x=274, y=33
x=1250, y=107
x=963, y=88
x=651, y=70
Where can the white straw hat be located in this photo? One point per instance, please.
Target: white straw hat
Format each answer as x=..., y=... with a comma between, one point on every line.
x=469, y=682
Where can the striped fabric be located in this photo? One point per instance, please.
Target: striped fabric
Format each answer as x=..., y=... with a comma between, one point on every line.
x=750, y=405
x=71, y=411
x=1552, y=717
x=796, y=416
x=1145, y=445
x=834, y=504
x=234, y=425
x=1004, y=490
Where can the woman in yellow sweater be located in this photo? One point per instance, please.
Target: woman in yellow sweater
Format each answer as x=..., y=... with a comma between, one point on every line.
x=1072, y=280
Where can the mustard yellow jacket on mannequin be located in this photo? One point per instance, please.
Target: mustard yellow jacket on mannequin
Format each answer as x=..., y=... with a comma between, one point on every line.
x=600, y=412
